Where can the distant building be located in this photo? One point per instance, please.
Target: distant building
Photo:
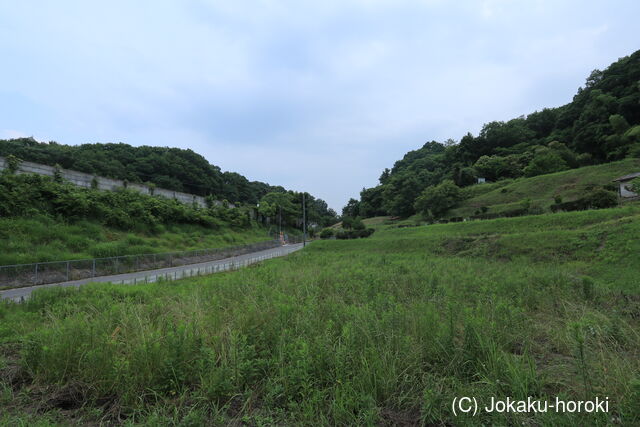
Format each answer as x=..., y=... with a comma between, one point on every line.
x=481, y=180
x=624, y=185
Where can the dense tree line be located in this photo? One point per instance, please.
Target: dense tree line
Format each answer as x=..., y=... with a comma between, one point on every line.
x=285, y=208
x=171, y=168
x=601, y=124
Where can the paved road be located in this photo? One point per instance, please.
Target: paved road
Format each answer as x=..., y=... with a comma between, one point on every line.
x=164, y=273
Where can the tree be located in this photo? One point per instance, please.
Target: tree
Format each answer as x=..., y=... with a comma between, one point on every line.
x=371, y=202
x=464, y=176
x=13, y=163
x=618, y=123
x=347, y=222
x=545, y=161
x=569, y=156
x=266, y=209
x=384, y=177
x=357, y=224
x=494, y=168
x=352, y=209
x=437, y=200
x=283, y=207
x=352, y=223
x=401, y=192
x=57, y=173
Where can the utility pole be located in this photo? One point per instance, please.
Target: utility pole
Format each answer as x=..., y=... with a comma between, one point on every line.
x=304, y=222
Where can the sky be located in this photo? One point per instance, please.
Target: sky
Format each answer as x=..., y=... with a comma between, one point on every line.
x=316, y=96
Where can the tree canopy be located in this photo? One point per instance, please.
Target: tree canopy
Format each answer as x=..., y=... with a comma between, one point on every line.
x=601, y=124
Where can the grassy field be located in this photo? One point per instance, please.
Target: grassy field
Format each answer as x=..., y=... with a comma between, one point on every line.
x=385, y=330
x=508, y=194
x=26, y=240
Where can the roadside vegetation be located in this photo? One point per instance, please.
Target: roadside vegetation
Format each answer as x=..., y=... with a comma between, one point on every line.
x=42, y=219
x=41, y=238
x=384, y=330
x=48, y=219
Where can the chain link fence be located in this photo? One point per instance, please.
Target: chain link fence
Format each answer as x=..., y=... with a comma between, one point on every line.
x=13, y=276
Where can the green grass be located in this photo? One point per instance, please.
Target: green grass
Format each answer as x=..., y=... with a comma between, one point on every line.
x=376, y=221
x=384, y=330
x=41, y=238
x=508, y=194
x=373, y=222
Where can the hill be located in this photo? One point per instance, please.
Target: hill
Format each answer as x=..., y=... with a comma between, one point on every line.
x=600, y=125
x=48, y=219
x=380, y=331
x=171, y=168
x=541, y=191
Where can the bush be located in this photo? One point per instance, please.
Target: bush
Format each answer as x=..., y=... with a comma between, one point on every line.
x=595, y=198
x=601, y=198
x=354, y=234
x=327, y=233
x=358, y=224
x=26, y=194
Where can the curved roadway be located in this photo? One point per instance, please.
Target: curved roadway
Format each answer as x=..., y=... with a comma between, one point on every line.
x=19, y=294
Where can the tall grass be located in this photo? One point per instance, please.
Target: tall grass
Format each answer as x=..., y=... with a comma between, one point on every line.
x=382, y=330
x=42, y=238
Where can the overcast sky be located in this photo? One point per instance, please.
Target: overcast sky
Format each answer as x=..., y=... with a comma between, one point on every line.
x=318, y=96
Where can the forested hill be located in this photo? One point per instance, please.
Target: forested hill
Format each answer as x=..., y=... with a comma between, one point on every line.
x=170, y=168
x=600, y=125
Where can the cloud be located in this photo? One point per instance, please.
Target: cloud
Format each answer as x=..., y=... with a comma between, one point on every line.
x=12, y=134
x=308, y=95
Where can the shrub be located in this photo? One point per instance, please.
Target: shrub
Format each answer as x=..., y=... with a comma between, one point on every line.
x=601, y=198
x=327, y=233
x=354, y=234
x=347, y=222
x=26, y=194
x=595, y=198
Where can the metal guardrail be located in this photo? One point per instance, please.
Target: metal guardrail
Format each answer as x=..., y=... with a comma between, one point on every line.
x=40, y=273
x=199, y=271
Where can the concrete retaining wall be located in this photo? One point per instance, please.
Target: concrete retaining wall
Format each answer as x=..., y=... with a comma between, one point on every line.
x=84, y=180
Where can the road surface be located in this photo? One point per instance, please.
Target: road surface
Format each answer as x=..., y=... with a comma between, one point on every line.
x=171, y=273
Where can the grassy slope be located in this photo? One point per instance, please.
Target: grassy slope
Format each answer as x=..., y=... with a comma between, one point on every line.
x=26, y=240
x=381, y=330
x=373, y=222
x=508, y=194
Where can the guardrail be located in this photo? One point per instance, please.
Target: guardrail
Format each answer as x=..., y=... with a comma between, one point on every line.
x=40, y=273
x=199, y=271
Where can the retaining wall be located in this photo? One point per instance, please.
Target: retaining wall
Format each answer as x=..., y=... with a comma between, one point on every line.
x=84, y=180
